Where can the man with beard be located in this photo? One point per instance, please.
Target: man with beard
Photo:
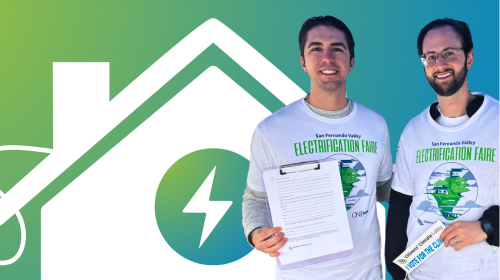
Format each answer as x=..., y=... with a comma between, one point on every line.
x=324, y=124
x=447, y=166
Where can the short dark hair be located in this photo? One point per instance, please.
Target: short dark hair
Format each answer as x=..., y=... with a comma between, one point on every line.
x=460, y=27
x=325, y=21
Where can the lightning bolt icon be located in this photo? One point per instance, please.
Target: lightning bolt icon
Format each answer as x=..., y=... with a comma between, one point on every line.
x=214, y=210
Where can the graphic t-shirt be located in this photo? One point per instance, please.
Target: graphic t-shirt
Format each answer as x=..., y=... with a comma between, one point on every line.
x=360, y=142
x=452, y=174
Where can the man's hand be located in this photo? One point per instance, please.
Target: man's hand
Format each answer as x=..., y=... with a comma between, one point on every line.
x=264, y=241
x=464, y=233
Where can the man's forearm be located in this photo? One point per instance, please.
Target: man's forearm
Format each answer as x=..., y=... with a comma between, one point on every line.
x=384, y=189
x=255, y=214
x=492, y=215
x=396, y=239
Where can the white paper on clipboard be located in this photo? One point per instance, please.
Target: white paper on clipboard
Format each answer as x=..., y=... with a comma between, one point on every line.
x=307, y=201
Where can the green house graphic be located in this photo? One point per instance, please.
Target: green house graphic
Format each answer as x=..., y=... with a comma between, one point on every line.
x=93, y=190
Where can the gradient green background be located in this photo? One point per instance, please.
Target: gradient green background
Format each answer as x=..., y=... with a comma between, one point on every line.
x=387, y=77
x=182, y=231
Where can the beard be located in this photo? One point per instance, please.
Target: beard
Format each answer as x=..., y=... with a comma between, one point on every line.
x=450, y=87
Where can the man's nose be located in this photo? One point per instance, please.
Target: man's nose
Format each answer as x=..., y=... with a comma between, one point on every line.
x=328, y=56
x=440, y=62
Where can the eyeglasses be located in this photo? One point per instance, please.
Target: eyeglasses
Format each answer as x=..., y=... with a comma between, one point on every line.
x=448, y=55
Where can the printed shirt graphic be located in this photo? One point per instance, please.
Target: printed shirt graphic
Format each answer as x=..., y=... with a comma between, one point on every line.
x=360, y=143
x=453, y=175
x=453, y=189
x=353, y=176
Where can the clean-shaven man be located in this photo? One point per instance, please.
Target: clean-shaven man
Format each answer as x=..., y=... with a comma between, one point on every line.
x=324, y=124
x=447, y=167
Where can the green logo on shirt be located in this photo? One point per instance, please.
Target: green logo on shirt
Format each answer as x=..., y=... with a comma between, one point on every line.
x=452, y=191
x=353, y=176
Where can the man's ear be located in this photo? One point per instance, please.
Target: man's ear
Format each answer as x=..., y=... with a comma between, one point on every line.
x=470, y=58
x=352, y=65
x=303, y=63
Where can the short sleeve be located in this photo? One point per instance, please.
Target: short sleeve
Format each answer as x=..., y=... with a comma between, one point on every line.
x=385, y=169
x=260, y=158
x=403, y=182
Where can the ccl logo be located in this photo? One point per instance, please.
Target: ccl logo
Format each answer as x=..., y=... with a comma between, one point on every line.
x=402, y=261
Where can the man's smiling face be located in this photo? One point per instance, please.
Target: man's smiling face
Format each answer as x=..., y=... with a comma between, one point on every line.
x=326, y=58
x=446, y=77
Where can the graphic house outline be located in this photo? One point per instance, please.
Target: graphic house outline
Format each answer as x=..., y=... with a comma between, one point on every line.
x=103, y=222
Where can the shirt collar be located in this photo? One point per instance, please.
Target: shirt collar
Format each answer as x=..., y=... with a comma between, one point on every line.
x=471, y=109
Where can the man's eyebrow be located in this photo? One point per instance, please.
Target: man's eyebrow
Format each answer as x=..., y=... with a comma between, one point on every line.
x=338, y=44
x=315, y=44
x=447, y=49
x=441, y=51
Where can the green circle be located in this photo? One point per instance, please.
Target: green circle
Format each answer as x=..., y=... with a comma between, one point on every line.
x=182, y=231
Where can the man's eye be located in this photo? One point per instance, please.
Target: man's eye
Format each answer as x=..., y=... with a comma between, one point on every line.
x=449, y=54
x=316, y=49
x=337, y=50
x=431, y=57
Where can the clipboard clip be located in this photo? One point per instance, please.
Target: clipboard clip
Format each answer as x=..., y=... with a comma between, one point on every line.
x=299, y=164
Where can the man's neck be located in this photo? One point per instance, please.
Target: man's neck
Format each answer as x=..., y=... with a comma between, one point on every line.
x=330, y=101
x=454, y=106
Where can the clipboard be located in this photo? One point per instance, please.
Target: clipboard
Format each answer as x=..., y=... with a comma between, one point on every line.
x=309, y=168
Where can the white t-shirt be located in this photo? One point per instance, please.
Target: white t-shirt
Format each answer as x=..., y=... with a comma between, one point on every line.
x=453, y=175
x=359, y=141
x=443, y=120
